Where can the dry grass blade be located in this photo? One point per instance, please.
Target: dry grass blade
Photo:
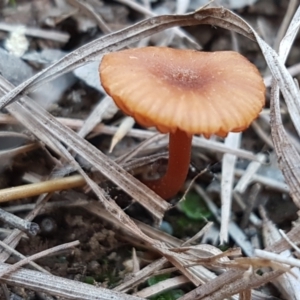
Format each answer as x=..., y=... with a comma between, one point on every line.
x=293, y=245
x=242, y=284
x=270, y=183
x=141, y=275
x=60, y=287
x=144, y=134
x=126, y=125
x=234, y=231
x=60, y=138
x=8, y=154
x=277, y=257
x=117, y=40
x=287, y=283
x=110, y=206
x=206, y=289
x=245, y=295
x=228, y=166
x=36, y=32
x=288, y=157
x=88, y=52
x=105, y=109
x=87, y=9
x=146, y=10
x=51, y=132
x=8, y=249
x=26, y=260
x=285, y=23
x=282, y=244
x=162, y=286
x=221, y=147
x=246, y=178
x=152, y=239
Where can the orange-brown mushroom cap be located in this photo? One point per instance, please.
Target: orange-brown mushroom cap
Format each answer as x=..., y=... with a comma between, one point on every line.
x=196, y=92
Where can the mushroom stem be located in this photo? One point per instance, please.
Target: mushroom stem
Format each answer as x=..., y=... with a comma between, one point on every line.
x=179, y=160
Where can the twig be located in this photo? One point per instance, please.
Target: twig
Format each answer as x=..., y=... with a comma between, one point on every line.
x=49, y=206
x=253, y=194
x=5, y=291
x=140, y=276
x=266, y=181
x=144, y=134
x=277, y=257
x=34, y=189
x=7, y=154
x=129, y=155
x=13, y=239
x=165, y=285
x=262, y=134
x=289, y=241
x=251, y=170
x=36, y=256
x=285, y=23
x=227, y=181
x=38, y=33
x=191, y=183
x=16, y=222
x=87, y=9
x=60, y=287
x=293, y=70
x=21, y=256
x=234, y=231
x=142, y=9
x=199, y=234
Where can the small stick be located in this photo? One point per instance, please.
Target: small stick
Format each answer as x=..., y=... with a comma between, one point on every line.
x=36, y=256
x=21, y=256
x=289, y=241
x=53, y=35
x=34, y=189
x=89, y=11
x=16, y=222
x=144, y=134
x=8, y=154
x=277, y=258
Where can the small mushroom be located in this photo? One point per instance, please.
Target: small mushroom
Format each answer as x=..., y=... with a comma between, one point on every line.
x=183, y=92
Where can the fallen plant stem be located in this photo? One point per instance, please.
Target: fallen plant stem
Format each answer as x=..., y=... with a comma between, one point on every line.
x=162, y=286
x=17, y=222
x=26, y=260
x=8, y=154
x=21, y=256
x=143, y=134
x=277, y=257
x=13, y=239
x=60, y=287
x=35, y=189
x=291, y=243
x=53, y=35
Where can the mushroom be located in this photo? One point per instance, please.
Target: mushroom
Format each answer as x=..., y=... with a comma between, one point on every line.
x=183, y=92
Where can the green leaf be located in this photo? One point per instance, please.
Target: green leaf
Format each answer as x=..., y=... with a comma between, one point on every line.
x=158, y=278
x=194, y=207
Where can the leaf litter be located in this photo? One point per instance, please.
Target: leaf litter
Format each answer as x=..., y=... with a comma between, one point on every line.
x=211, y=278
